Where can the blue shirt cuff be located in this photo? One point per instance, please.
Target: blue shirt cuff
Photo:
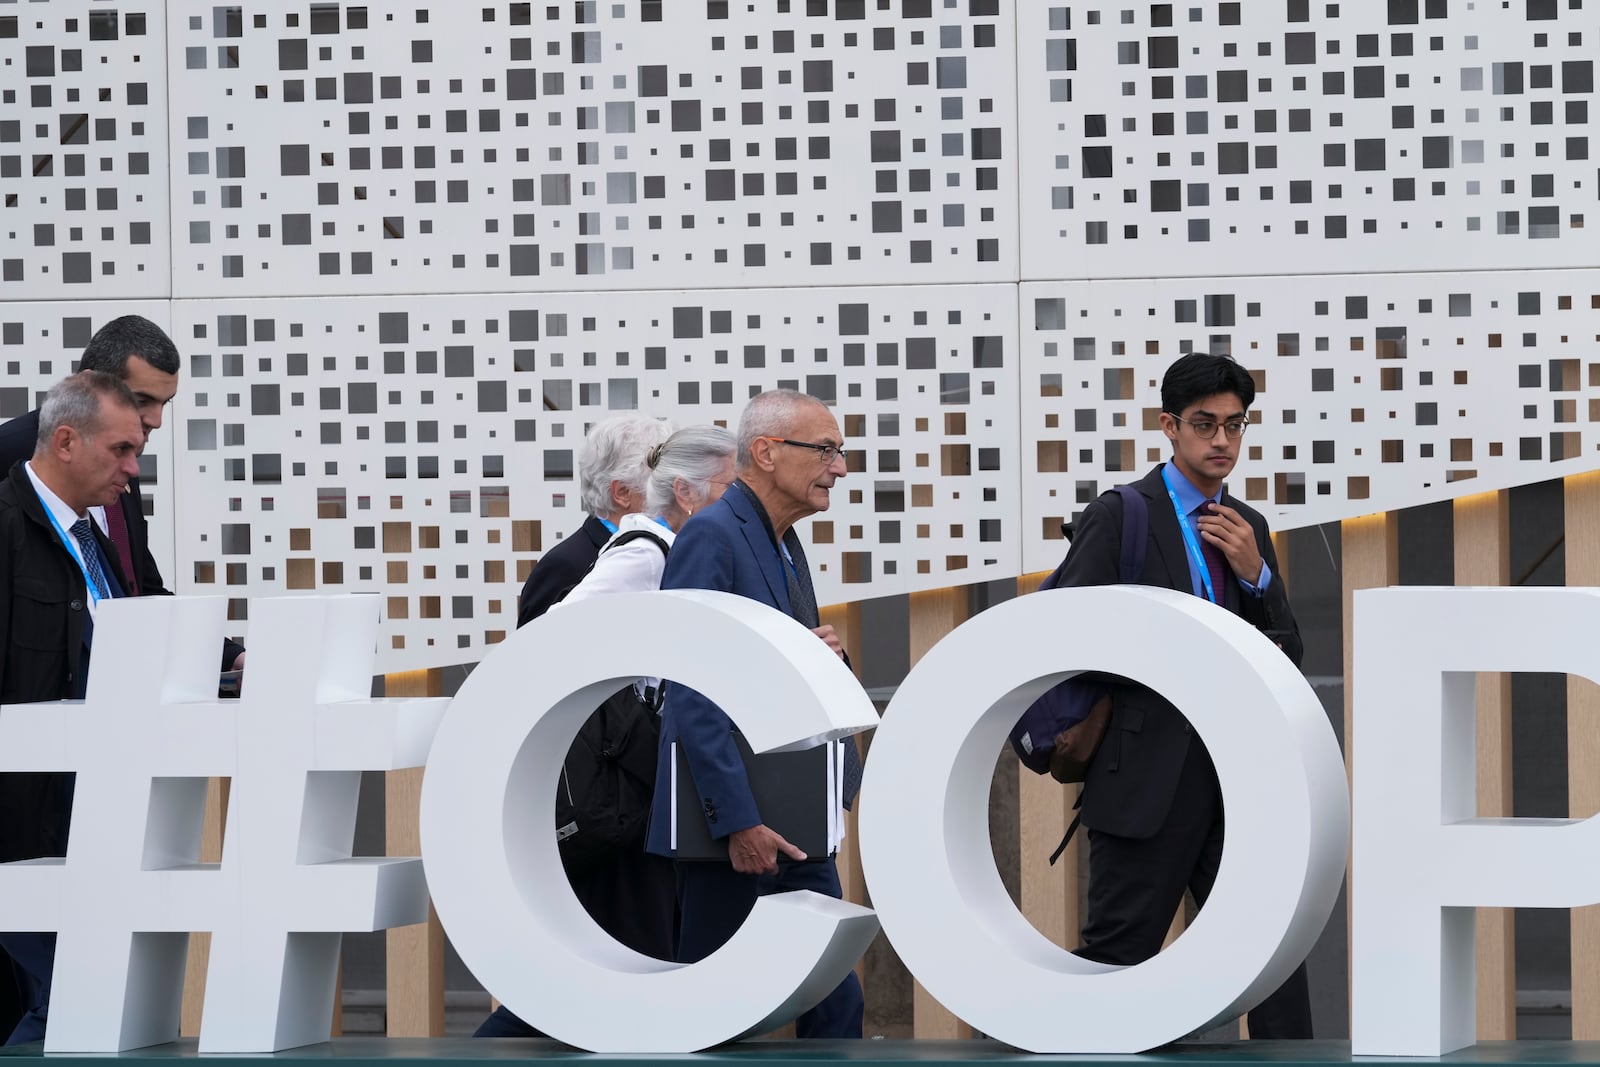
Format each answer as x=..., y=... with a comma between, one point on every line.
x=1260, y=586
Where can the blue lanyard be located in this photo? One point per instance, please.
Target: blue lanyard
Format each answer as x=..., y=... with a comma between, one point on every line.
x=96, y=594
x=1191, y=541
x=608, y=524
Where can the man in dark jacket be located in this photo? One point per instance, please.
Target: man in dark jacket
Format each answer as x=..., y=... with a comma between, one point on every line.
x=140, y=353
x=611, y=475
x=56, y=567
x=1151, y=801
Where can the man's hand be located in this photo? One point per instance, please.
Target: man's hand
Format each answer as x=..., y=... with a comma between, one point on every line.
x=826, y=633
x=1226, y=529
x=755, y=850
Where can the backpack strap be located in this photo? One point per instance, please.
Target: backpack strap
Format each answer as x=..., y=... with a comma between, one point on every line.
x=1135, y=533
x=1135, y=536
x=1076, y=819
x=636, y=535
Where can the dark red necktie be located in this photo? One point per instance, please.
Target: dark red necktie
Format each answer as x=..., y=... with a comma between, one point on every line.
x=117, y=529
x=1217, y=564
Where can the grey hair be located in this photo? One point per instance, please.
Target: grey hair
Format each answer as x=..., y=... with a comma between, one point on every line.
x=614, y=451
x=770, y=414
x=75, y=402
x=122, y=338
x=695, y=454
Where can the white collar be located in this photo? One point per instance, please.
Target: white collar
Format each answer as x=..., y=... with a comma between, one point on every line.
x=57, y=507
x=637, y=521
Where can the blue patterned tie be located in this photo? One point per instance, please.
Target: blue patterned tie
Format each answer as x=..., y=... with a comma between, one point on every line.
x=91, y=555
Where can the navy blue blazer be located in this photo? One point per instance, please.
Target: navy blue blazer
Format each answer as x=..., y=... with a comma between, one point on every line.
x=726, y=547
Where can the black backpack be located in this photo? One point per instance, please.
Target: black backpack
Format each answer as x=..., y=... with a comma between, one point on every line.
x=609, y=777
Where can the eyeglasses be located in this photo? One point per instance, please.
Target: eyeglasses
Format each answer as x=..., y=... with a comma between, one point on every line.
x=828, y=452
x=1206, y=429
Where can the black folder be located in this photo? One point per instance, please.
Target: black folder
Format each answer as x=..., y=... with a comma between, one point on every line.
x=793, y=791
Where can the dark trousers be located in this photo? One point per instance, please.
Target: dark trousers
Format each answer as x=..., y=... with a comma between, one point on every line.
x=1136, y=885
x=714, y=901
x=33, y=958
x=634, y=899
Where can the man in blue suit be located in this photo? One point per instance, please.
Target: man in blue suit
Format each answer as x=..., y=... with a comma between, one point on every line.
x=790, y=454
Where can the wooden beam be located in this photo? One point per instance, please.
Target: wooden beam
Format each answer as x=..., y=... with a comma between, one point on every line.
x=934, y=614
x=846, y=621
x=415, y=956
x=1483, y=558
x=1582, y=498
x=1049, y=893
x=194, y=977
x=1369, y=558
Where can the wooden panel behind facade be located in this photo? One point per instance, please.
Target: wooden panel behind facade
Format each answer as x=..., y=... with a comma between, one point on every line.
x=415, y=954
x=1582, y=499
x=1049, y=893
x=1369, y=558
x=846, y=622
x=934, y=614
x=194, y=976
x=1483, y=558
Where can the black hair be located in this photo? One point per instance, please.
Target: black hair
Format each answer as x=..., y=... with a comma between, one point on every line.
x=131, y=335
x=1199, y=375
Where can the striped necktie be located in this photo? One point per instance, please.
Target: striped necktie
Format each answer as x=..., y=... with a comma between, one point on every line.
x=91, y=556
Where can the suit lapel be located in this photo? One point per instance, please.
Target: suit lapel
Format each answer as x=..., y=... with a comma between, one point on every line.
x=761, y=547
x=1165, y=533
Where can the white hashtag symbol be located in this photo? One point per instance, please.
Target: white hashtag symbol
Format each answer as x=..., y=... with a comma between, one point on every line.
x=131, y=887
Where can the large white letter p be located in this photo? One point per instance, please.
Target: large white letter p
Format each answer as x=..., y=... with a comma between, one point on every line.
x=1423, y=860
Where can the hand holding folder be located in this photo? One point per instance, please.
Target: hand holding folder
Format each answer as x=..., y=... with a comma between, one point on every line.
x=799, y=795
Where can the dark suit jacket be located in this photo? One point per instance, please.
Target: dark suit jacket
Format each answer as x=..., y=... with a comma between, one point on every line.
x=17, y=440
x=561, y=568
x=1130, y=785
x=43, y=618
x=725, y=547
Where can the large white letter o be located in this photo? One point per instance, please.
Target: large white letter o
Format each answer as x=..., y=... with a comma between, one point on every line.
x=489, y=839
x=925, y=835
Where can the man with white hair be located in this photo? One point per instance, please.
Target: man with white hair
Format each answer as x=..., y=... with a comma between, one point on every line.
x=612, y=472
x=790, y=452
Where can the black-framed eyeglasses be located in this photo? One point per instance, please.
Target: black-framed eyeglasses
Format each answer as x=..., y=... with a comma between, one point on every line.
x=828, y=452
x=1206, y=429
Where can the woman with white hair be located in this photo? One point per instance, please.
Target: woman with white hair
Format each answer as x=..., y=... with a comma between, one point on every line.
x=610, y=769
x=689, y=470
x=609, y=772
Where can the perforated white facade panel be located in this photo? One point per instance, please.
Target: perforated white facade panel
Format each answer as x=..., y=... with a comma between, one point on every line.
x=410, y=254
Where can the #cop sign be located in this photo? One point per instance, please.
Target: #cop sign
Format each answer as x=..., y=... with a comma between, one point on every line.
x=296, y=743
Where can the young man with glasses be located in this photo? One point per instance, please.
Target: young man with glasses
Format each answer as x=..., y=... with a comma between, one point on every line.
x=1151, y=802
